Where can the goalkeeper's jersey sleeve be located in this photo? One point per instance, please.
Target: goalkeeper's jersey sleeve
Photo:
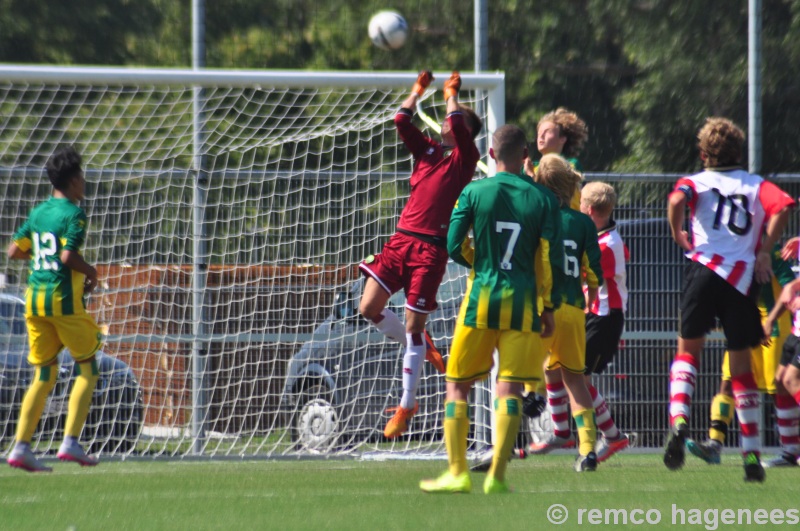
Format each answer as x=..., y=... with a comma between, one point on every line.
x=52, y=227
x=580, y=250
x=513, y=221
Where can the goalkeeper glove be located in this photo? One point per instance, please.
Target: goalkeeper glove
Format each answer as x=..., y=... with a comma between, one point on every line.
x=452, y=86
x=423, y=81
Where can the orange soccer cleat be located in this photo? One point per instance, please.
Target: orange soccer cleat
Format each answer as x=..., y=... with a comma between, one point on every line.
x=398, y=424
x=433, y=355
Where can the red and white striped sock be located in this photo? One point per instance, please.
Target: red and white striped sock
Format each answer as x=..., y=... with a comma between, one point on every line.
x=787, y=412
x=682, y=375
x=745, y=392
x=558, y=399
x=602, y=415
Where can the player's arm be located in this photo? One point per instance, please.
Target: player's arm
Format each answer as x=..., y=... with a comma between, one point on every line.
x=20, y=246
x=412, y=137
x=16, y=253
x=676, y=212
x=458, y=244
x=550, y=257
x=70, y=255
x=465, y=143
x=777, y=206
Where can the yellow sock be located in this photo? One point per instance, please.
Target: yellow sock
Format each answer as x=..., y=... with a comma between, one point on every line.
x=44, y=379
x=722, y=409
x=507, y=412
x=587, y=430
x=531, y=387
x=81, y=397
x=456, y=428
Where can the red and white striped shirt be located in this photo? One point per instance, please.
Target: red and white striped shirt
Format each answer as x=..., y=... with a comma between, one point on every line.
x=729, y=209
x=613, y=294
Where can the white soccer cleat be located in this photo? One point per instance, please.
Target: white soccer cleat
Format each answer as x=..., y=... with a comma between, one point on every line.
x=25, y=460
x=74, y=453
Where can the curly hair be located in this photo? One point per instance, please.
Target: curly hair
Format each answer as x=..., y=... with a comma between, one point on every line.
x=722, y=142
x=571, y=126
x=558, y=176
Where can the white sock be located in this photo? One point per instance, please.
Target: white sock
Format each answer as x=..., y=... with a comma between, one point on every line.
x=392, y=327
x=412, y=368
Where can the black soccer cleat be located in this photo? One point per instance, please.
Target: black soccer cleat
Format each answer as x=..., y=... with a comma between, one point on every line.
x=675, y=451
x=586, y=463
x=753, y=470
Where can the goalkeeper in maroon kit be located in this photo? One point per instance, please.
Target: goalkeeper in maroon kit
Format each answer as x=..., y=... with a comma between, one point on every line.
x=415, y=257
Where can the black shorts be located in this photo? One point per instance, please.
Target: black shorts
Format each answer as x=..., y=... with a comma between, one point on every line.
x=707, y=296
x=790, y=355
x=602, y=339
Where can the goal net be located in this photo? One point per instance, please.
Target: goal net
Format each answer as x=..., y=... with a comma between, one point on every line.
x=228, y=211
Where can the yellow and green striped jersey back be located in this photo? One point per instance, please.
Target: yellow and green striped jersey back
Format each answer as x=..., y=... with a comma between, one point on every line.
x=580, y=247
x=52, y=227
x=517, y=255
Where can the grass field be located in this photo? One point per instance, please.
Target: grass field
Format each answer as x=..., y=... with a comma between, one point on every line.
x=353, y=494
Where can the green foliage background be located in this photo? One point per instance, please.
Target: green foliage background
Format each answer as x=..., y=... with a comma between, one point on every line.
x=643, y=74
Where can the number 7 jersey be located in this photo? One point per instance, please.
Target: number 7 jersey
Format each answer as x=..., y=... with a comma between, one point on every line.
x=729, y=208
x=52, y=227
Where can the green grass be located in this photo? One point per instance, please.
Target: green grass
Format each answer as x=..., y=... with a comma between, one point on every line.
x=351, y=494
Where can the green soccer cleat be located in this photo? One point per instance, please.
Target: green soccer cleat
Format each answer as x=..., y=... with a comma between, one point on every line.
x=495, y=486
x=447, y=483
x=753, y=471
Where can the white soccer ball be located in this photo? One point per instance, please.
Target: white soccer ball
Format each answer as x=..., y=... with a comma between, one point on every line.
x=388, y=30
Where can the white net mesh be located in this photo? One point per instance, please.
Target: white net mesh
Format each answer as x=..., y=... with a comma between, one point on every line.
x=289, y=189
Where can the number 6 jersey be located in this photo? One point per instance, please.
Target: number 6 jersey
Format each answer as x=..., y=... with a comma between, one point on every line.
x=53, y=226
x=729, y=208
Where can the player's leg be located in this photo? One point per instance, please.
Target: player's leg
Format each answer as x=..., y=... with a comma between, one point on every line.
x=373, y=309
x=558, y=400
x=791, y=375
x=722, y=411
x=787, y=413
x=697, y=313
x=82, y=337
x=520, y=359
x=603, y=334
x=470, y=360
x=43, y=355
x=584, y=416
x=741, y=322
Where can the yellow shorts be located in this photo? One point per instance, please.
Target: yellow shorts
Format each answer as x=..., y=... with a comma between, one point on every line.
x=521, y=355
x=48, y=335
x=566, y=348
x=764, y=361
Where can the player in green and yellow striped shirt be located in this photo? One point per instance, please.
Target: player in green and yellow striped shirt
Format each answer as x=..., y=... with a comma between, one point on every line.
x=55, y=314
x=516, y=257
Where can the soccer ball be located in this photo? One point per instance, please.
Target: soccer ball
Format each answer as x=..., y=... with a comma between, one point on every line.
x=388, y=30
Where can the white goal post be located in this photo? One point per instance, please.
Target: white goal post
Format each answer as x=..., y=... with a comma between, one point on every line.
x=228, y=211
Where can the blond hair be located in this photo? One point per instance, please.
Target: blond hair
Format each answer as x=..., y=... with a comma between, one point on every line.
x=600, y=196
x=558, y=176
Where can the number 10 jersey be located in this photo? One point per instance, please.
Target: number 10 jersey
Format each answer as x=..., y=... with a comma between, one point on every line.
x=729, y=208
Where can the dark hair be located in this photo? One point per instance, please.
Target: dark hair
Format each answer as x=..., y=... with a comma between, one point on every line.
x=509, y=143
x=722, y=141
x=63, y=166
x=473, y=120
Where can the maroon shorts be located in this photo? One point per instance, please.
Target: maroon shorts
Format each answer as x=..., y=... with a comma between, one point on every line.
x=410, y=264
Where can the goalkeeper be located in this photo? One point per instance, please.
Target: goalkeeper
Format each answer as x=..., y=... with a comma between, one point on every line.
x=55, y=315
x=415, y=257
